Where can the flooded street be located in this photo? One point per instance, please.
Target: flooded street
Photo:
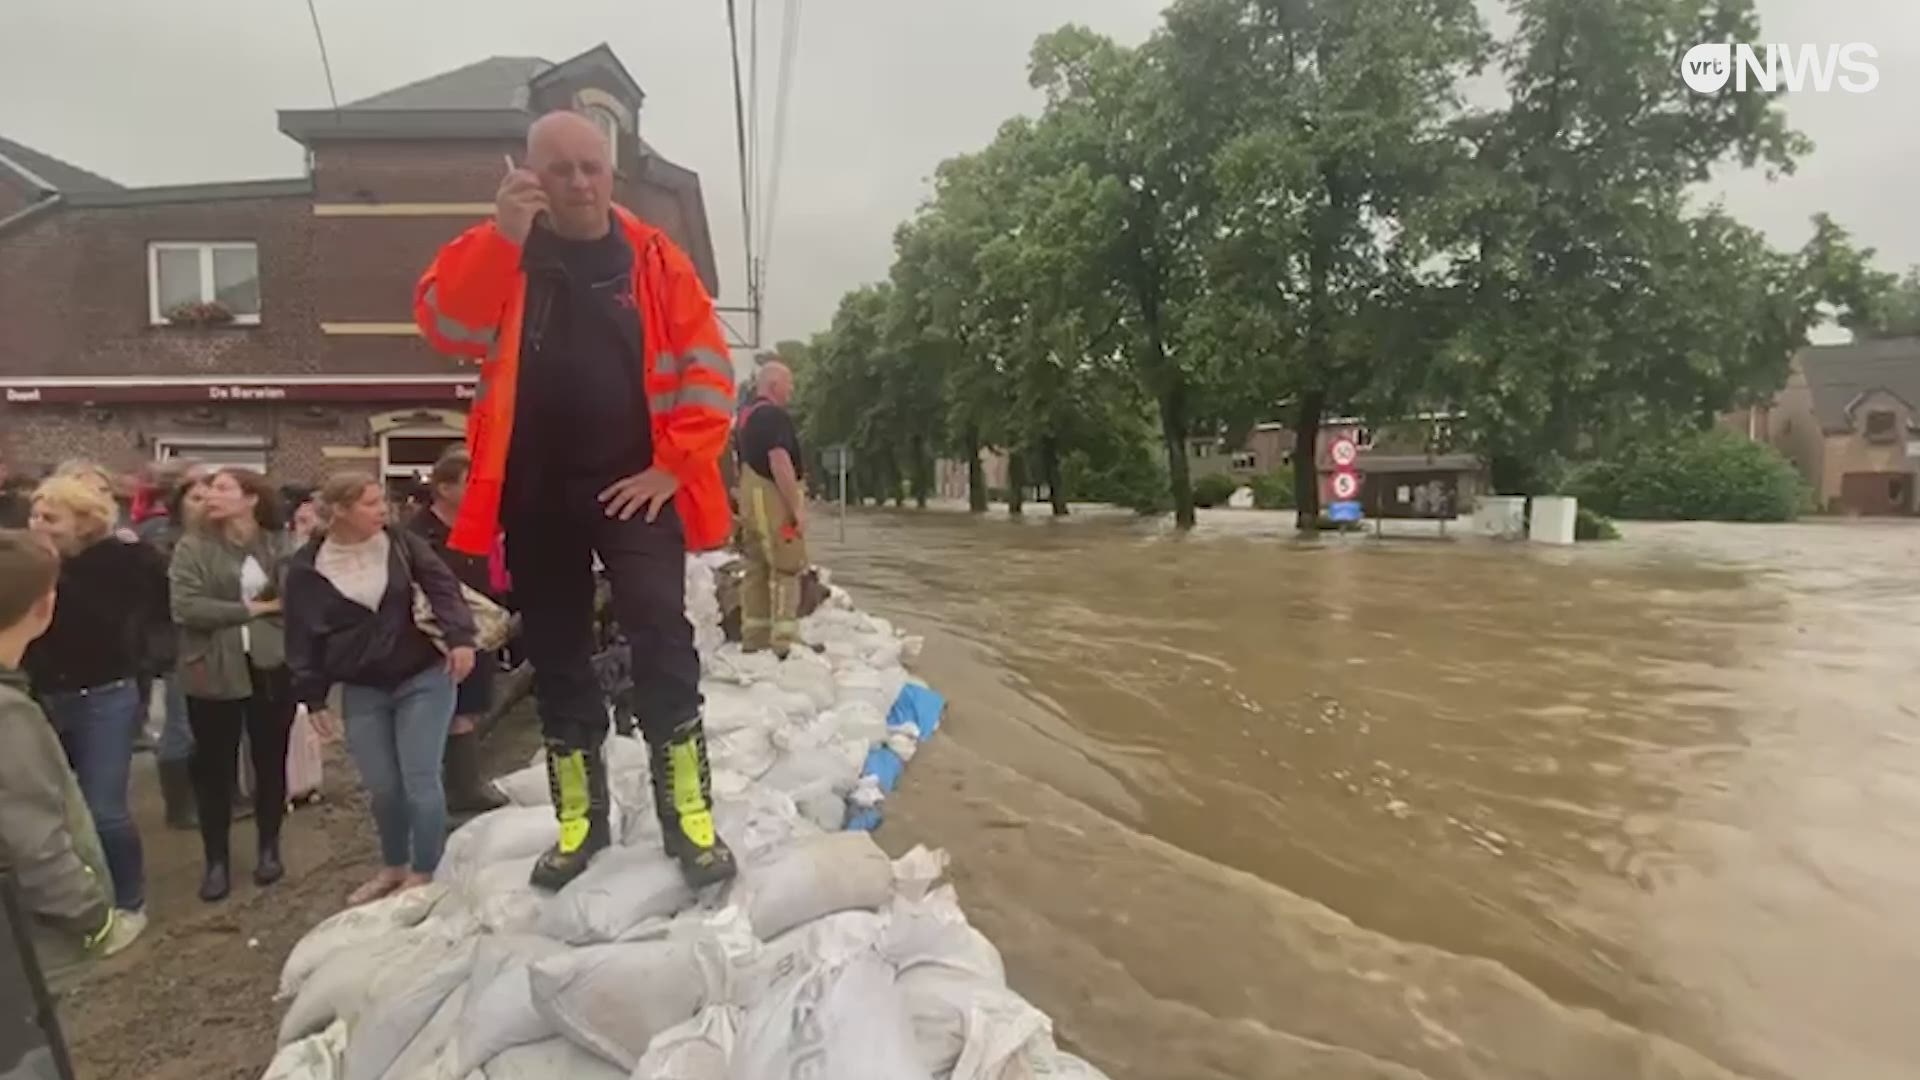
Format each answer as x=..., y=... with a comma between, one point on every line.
x=1673, y=784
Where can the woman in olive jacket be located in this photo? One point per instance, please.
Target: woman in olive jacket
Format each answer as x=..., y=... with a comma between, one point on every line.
x=226, y=578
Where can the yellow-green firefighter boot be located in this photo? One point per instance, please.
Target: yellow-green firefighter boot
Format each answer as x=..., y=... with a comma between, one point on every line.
x=579, y=782
x=683, y=797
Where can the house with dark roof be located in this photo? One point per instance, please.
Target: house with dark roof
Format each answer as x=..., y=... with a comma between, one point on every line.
x=1849, y=418
x=268, y=322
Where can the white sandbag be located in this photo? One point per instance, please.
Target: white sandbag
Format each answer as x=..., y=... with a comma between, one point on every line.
x=343, y=986
x=502, y=898
x=388, y=1030
x=823, y=767
x=550, y=1060
x=316, y=1057
x=792, y=704
x=731, y=708
x=830, y=941
x=747, y=750
x=499, y=1013
x=862, y=686
x=700, y=1049
x=967, y=1027
x=525, y=787
x=354, y=926
x=816, y=876
x=823, y=807
x=935, y=932
x=624, y=886
x=430, y=1056
x=512, y=832
x=804, y=673
x=613, y=999
x=843, y=1021
x=858, y=718
x=758, y=824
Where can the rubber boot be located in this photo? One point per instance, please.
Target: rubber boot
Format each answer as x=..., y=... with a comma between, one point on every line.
x=176, y=791
x=683, y=797
x=578, y=779
x=466, y=793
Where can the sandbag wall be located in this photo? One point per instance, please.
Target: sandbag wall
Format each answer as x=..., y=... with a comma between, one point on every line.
x=824, y=958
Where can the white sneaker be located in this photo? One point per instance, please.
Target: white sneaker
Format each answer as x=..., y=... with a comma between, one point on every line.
x=127, y=928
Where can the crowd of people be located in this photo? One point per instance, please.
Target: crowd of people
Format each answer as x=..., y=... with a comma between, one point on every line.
x=247, y=605
x=226, y=606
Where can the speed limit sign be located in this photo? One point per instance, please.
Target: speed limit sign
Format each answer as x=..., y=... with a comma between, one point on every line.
x=1344, y=451
x=1346, y=486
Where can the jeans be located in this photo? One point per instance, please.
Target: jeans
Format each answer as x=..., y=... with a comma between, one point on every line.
x=176, y=735
x=551, y=559
x=396, y=738
x=267, y=719
x=97, y=727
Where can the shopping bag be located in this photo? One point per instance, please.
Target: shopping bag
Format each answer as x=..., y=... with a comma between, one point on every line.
x=305, y=760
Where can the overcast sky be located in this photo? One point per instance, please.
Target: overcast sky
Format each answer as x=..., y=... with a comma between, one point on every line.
x=882, y=91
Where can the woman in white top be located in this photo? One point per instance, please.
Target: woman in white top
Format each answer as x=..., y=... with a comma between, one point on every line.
x=350, y=621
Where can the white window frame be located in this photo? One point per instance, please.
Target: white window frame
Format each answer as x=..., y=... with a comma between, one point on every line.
x=155, y=316
x=229, y=448
x=390, y=471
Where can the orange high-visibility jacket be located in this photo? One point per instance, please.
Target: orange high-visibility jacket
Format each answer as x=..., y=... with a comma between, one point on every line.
x=470, y=303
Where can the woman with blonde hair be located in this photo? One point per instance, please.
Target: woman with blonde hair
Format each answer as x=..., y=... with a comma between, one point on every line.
x=351, y=623
x=226, y=581
x=86, y=668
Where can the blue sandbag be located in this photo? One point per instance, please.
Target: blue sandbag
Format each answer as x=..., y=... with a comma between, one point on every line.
x=918, y=707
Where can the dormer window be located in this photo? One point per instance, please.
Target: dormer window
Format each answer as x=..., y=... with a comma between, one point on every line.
x=1883, y=426
x=609, y=127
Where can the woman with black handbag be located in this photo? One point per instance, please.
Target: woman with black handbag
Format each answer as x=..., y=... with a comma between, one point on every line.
x=351, y=621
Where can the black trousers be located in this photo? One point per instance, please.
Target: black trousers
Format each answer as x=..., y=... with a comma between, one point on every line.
x=550, y=556
x=267, y=719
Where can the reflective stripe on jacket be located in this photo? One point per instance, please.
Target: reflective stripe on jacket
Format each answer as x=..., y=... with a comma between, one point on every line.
x=471, y=303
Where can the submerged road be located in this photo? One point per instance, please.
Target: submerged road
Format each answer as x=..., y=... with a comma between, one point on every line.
x=1672, y=784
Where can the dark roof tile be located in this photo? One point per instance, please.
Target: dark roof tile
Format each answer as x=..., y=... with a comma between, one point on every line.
x=498, y=82
x=1838, y=374
x=43, y=170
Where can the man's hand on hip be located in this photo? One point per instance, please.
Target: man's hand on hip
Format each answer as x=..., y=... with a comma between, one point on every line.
x=651, y=490
x=519, y=200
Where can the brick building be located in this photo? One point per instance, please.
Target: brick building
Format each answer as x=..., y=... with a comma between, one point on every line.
x=268, y=323
x=1849, y=420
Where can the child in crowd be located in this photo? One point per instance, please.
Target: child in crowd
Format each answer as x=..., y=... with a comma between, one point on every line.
x=47, y=838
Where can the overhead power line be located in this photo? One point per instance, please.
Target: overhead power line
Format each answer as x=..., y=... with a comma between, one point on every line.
x=740, y=137
x=325, y=64
x=770, y=207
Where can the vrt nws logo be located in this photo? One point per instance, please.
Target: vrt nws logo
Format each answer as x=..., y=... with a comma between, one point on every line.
x=1709, y=66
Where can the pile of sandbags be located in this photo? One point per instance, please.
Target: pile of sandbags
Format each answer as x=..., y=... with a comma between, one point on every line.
x=822, y=958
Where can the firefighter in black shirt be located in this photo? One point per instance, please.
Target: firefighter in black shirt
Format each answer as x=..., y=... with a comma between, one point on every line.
x=773, y=514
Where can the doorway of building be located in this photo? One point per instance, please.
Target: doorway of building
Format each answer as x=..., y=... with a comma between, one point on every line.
x=407, y=457
x=1877, y=494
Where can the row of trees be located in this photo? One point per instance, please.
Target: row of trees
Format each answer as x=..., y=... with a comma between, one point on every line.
x=1296, y=207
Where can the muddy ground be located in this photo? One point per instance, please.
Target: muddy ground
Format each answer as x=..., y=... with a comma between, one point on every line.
x=193, y=1000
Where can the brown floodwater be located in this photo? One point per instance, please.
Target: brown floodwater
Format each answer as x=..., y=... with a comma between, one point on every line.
x=1674, y=779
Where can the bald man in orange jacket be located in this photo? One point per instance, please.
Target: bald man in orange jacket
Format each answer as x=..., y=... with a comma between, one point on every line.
x=605, y=402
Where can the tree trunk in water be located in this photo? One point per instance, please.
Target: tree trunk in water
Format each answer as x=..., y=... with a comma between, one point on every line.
x=976, y=474
x=1306, y=461
x=1050, y=462
x=922, y=473
x=1173, y=431
x=1016, y=483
